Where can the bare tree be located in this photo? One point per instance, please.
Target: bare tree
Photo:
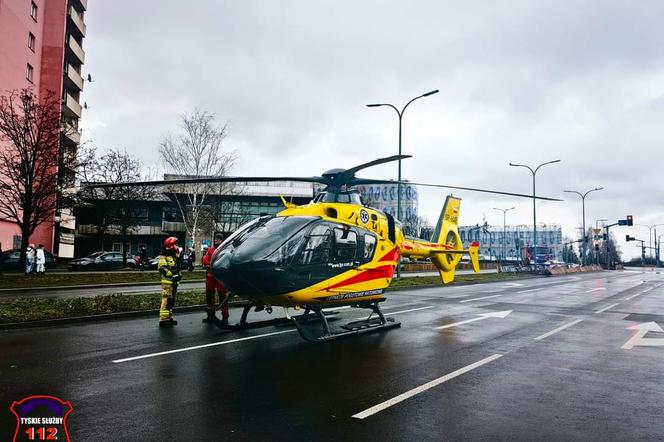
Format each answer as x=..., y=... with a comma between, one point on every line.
x=196, y=152
x=31, y=160
x=119, y=207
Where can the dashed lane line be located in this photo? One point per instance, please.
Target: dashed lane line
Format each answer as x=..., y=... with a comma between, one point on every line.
x=596, y=289
x=559, y=329
x=197, y=347
x=422, y=388
x=607, y=308
x=410, y=310
x=479, y=299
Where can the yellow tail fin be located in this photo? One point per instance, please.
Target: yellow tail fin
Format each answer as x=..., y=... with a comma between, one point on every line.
x=447, y=234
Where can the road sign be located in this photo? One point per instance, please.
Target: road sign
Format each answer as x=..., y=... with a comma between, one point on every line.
x=596, y=231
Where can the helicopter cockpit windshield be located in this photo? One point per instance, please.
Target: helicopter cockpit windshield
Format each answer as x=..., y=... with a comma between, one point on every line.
x=349, y=197
x=263, y=236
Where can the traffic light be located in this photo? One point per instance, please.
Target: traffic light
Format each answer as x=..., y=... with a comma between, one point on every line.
x=605, y=237
x=629, y=238
x=630, y=220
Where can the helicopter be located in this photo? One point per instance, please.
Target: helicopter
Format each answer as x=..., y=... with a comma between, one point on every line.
x=334, y=251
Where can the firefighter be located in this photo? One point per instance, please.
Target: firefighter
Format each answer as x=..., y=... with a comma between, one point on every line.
x=212, y=285
x=170, y=277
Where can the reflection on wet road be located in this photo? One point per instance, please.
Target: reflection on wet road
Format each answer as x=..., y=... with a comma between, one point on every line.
x=575, y=357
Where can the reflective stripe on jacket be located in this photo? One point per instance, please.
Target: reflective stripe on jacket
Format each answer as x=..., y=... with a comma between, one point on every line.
x=168, y=267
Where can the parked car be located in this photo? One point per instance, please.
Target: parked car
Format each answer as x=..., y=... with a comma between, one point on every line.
x=12, y=259
x=153, y=263
x=98, y=261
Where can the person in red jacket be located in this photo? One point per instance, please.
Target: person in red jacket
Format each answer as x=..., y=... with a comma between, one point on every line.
x=212, y=285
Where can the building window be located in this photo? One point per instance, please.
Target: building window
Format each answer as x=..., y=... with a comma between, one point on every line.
x=31, y=41
x=29, y=73
x=33, y=11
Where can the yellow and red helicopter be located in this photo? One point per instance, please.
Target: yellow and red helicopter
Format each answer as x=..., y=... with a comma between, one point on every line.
x=334, y=251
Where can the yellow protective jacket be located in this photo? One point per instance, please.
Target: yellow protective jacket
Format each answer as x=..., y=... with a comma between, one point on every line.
x=168, y=267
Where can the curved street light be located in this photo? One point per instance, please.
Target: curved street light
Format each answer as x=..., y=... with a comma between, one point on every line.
x=534, y=172
x=400, y=114
x=584, y=241
x=504, y=228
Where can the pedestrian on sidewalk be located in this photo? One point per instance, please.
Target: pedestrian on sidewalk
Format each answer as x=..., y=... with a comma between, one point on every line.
x=40, y=259
x=192, y=259
x=30, y=259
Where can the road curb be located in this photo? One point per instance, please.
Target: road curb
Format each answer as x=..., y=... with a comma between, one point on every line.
x=93, y=286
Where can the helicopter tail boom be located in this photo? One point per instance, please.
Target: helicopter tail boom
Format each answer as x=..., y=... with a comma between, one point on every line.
x=445, y=248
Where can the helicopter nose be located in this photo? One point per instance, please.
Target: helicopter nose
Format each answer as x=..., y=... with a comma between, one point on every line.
x=241, y=276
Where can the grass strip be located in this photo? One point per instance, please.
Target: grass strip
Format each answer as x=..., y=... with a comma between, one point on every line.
x=24, y=309
x=475, y=278
x=14, y=281
x=36, y=309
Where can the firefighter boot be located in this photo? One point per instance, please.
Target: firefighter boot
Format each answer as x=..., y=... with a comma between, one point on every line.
x=210, y=318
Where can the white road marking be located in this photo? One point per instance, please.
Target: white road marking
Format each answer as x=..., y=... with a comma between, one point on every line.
x=554, y=331
x=528, y=291
x=196, y=347
x=478, y=299
x=638, y=337
x=411, y=310
x=634, y=296
x=596, y=289
x=502, y=314
x=607, y=308
x=402, y=397
x=331, y=309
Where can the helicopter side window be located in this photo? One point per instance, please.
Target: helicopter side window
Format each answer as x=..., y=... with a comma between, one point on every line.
x=317, y=249
x=345, y=245
x=369, y=246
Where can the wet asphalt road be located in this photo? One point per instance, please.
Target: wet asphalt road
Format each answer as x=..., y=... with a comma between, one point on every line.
x=553, y=368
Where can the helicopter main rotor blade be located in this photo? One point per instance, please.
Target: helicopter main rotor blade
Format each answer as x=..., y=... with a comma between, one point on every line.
x=209, y=180
x=350, y=172
x=443, y=186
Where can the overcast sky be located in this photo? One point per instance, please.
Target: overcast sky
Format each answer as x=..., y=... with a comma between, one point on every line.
x=525, y=82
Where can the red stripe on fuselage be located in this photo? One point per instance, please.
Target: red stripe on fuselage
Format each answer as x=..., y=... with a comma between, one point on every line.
x=392, y=255
x=366, y=275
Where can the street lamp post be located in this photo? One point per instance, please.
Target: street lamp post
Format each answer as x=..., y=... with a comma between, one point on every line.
x=400, y=114
x=504, y=228
x=650, y=235
x=584, y=242
x=534, y=172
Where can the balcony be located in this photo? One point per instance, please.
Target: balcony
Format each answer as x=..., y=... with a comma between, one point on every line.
x=82, y=4
x=70, y=107
x=75, y=50
x=77, y=26
x=71, y=134
x=172, y=226
x=73, y=79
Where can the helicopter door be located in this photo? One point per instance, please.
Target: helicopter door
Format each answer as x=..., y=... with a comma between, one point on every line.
x=312, y=265
x=391, y=229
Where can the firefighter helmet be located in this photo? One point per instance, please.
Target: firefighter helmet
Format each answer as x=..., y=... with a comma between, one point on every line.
x=170, y=243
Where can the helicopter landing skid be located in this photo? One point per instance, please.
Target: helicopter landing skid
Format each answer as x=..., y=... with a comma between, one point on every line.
x=352, y=328
x=244, y=324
